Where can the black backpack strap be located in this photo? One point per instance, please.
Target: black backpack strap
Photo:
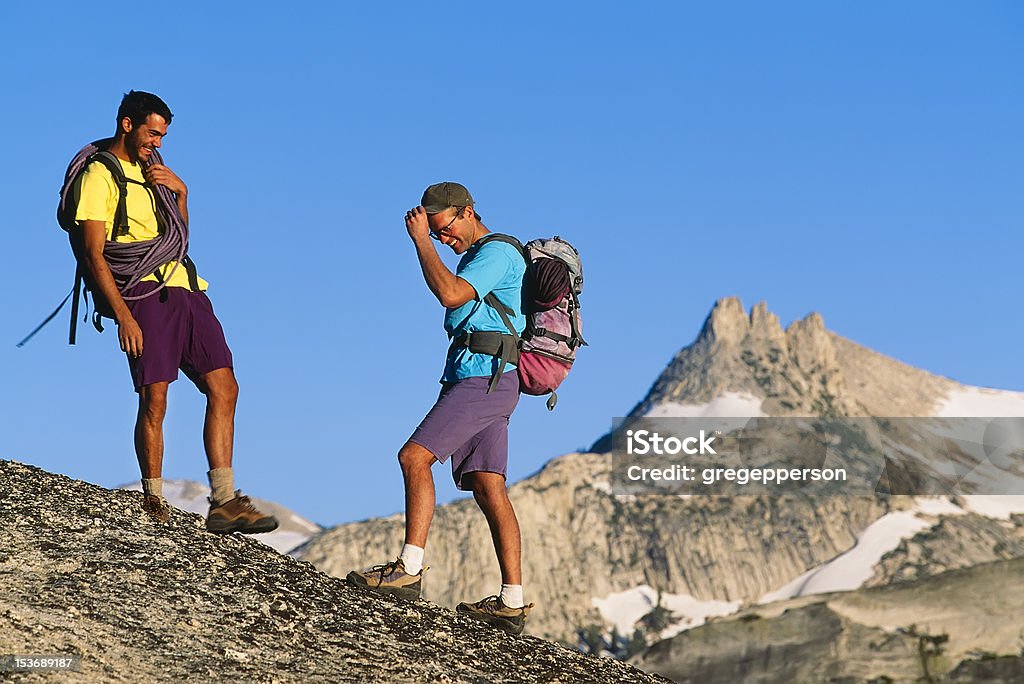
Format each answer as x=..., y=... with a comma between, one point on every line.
x=509, y=349
x=504, y=311
x=574, y=306
x=190, y=270
x=507, y=346
x=75, y=292
x=111, y=163
x=502, y=237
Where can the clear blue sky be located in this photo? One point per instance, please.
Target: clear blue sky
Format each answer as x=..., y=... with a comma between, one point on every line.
x=863, y=160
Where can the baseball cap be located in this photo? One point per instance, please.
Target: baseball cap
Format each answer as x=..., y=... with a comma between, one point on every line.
x=440, y=196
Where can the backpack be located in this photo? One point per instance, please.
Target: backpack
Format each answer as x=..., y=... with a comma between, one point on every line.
x=551, y=288
x=66, y=209
x=132, y=260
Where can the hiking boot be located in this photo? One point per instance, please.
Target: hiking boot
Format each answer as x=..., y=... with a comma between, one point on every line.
x=157, y=508
x=389, y=578
x=238, y=515
x=495, y=613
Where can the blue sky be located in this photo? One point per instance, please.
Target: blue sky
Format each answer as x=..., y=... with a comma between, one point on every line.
x=862, y=160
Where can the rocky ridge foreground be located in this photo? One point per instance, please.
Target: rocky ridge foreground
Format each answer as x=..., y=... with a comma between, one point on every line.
x=83, y=571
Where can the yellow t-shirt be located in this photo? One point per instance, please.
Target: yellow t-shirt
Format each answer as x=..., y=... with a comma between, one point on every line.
x=97, y=196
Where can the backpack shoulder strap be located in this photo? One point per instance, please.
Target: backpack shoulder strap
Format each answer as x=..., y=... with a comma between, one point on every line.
x=502, y=237
x=504, y=311
x=113, y=165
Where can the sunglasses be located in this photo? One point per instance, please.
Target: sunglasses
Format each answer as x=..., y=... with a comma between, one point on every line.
x=444, y=231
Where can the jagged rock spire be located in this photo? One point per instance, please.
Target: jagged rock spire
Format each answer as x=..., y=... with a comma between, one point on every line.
x=794, y=371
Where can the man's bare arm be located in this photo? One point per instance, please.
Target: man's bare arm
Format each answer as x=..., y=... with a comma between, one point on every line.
x=94, y=236
x=450, y=290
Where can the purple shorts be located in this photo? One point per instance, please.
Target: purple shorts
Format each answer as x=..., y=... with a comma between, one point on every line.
x=470, y=426
x=179, y=330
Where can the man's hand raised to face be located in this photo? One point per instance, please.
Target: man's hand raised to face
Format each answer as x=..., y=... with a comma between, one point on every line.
x=158, y=174
x=416, y=224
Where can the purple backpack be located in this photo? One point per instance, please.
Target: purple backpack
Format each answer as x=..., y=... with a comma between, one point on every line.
x=551, y=289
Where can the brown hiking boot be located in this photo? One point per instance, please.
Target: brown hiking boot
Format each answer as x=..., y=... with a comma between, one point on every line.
x=238, y=515
x=157, y=508
x=495, y=613
x=389, y=578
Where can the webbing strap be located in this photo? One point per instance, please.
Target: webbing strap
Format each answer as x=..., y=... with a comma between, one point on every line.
x=557, y=337
x=504, y=347
x=77, y=293
x=74, y=308
x=508, y=346
x=117, y=173
x=503, y=311
x=190, y=270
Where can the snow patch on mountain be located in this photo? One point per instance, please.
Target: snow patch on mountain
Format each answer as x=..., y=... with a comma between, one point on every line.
x=624, y=609
x=726, y=405
x=998, y=506
x=853, y=568
x=980, y=402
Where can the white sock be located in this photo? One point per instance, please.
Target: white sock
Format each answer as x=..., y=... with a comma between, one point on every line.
x=412, y=557
x=512, y=595
x=153, y=486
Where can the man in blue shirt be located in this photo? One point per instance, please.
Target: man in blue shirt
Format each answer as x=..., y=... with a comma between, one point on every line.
x=480, y=389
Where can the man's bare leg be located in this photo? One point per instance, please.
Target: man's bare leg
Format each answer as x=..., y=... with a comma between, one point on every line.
x=492, y=497
x=221, y=390
x=149, y=448
x=416, y=462
x=149, y=429
x=228, y=512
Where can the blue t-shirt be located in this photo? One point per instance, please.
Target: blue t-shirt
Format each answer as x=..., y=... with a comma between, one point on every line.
x=496, y=267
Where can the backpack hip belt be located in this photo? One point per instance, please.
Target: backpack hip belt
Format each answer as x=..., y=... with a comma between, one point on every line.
x=502, y=346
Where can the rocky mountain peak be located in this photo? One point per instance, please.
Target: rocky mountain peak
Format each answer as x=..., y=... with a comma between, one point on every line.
x=792, y=372
x=804, y=370
x=728, y=324
x=727, y=321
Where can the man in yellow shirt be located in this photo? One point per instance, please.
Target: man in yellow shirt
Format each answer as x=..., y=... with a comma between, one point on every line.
x=165, y=321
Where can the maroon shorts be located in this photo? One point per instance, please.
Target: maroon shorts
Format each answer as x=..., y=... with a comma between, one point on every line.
x=471, y=426
x=179, y=331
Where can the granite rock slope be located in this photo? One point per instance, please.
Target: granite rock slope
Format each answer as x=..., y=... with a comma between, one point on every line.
x=83, y=571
